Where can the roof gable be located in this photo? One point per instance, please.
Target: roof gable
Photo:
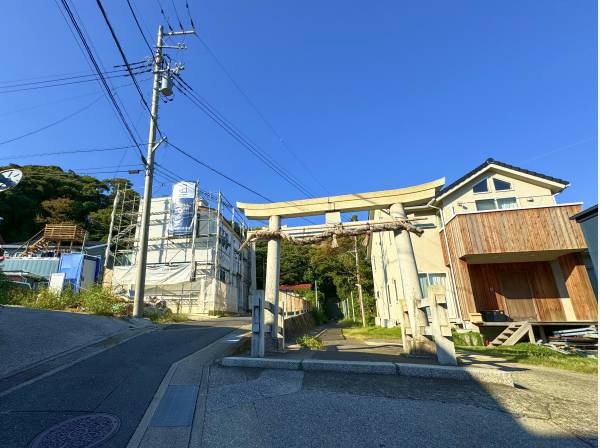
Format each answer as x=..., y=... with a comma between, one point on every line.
x=555, y=184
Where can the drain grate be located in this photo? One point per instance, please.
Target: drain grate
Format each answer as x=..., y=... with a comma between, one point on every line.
x=85, y=431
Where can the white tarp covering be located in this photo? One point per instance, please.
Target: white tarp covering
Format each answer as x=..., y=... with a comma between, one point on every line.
x=155, y=275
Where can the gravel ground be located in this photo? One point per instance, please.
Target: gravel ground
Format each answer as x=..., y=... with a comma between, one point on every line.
x=29, y=335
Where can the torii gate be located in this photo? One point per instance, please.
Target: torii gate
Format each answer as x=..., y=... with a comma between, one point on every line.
x=397, y=201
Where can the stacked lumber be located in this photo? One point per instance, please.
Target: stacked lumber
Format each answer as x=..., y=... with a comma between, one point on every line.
x=582, y=341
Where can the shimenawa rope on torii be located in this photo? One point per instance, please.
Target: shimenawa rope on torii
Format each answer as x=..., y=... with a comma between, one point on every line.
x=337, y=230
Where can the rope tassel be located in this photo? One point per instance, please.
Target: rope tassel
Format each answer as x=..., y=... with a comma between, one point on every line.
x=334, y=242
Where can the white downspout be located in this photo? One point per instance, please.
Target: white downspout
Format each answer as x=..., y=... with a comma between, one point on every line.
x=456, y=305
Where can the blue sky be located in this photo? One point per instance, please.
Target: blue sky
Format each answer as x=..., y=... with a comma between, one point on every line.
x=370, y=95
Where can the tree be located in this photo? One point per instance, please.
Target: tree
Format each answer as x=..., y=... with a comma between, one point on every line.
x=48, y=194
x=333, y=268
x=56, y=211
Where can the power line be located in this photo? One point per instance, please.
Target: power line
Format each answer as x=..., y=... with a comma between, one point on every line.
x=96, y=67
x=237, y=135
x=48, y=103
x=139, y=27
x=75, y=151
x=187, y=7
x=177, y=14
x=54, y=123
x=57, y=75
x=181, y=85
x=162, y=11
x=65, y=78
x=59, y=84
x=216, y=171
x=122, y=53
x=73, y=173
x=264, y=119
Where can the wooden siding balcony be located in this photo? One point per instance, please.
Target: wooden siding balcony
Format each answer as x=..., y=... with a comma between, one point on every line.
x=525, y=230
x=504, y=257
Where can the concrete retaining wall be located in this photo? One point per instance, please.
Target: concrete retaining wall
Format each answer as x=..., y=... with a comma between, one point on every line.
x=296, y=326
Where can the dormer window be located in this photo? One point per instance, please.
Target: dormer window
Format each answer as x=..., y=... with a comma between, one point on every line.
x=501, y=185
x=481, y=187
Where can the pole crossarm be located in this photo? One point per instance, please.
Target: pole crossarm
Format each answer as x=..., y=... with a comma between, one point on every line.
x=331, y=231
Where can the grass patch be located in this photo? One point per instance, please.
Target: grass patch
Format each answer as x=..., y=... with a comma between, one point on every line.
x=371, y=332
x=468, y=338
x=310, y=342
x=167, y=317
x=540, y=356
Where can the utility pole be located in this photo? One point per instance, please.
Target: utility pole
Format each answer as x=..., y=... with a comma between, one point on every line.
x=358, y=283
x=317, y=296
x=352, y=304
x=159, y=74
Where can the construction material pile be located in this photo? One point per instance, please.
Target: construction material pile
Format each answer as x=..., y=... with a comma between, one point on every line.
x=581, y=341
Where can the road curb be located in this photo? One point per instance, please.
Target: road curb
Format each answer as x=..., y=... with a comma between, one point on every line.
x=234, y=341
x=476, y=374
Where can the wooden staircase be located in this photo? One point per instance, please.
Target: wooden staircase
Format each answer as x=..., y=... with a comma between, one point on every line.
x=66, y=235
x=514, y=333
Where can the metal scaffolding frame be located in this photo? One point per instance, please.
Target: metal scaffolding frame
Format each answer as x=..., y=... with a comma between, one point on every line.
x=219, y=273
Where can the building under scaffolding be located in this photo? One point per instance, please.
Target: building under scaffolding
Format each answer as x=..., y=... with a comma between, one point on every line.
x=193, y=262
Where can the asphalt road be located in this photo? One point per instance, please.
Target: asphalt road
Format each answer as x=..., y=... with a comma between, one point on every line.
x=30, y=335
x=120, y=381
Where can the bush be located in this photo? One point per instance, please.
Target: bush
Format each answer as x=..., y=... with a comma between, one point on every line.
x=98, y=300
x=52, y=301
x=310, y=342
x=95, y=300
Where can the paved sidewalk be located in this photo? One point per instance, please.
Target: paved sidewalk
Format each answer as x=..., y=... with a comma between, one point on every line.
x=279, y=408
x=205, y=405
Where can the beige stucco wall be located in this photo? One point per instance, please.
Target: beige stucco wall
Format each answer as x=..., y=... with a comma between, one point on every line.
x=527, y=193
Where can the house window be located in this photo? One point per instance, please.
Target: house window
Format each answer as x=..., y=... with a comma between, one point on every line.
x=481, y=187
x=496, y=204
x=431, y=279
x=504, y=203
x=501, y=185
x=485, y=204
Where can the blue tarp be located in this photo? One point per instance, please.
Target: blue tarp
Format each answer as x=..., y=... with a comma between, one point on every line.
x=74, y=267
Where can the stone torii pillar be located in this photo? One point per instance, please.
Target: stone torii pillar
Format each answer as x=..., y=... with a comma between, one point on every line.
x=272, y=287
x=416, y=343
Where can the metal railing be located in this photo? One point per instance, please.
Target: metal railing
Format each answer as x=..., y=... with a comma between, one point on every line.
x=502, y=203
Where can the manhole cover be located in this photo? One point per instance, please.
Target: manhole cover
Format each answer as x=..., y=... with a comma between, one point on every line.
x=85, y=431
